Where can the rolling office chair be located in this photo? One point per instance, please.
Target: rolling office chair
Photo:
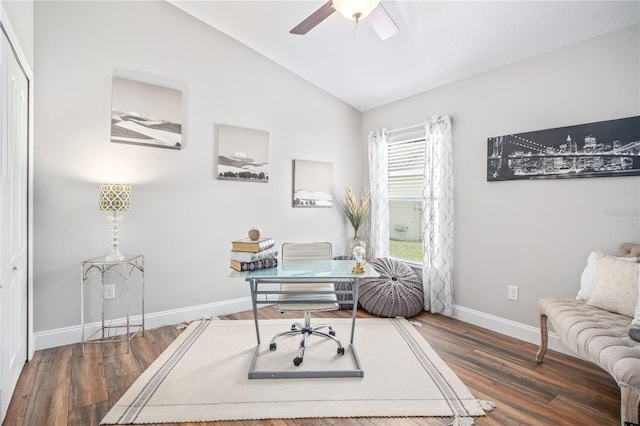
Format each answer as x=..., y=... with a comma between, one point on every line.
x=305, y=252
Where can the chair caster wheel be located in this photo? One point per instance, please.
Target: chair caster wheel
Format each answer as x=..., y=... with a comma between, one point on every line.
x=297, y=361
x=332, y=332
x=272, y=347
x=341, y=351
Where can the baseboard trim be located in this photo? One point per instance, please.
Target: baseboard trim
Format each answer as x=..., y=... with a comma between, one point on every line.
x=510, y=328
x=69, y=335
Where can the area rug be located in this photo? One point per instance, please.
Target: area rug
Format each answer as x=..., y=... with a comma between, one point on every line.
x=202, y=376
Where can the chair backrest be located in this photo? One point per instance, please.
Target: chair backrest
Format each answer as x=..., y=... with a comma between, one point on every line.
x=306, y=251
x=295, y=253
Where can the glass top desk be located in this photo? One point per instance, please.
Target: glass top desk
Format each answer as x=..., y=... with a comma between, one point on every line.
x=316, y=271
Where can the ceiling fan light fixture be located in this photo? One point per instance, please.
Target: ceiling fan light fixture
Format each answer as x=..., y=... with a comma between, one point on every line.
x=355, y=9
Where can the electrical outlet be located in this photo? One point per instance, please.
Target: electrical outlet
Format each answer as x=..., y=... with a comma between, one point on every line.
x=109, y=291
x=513, y=292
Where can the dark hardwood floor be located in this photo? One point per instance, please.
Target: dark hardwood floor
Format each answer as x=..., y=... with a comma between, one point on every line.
x=61, y=387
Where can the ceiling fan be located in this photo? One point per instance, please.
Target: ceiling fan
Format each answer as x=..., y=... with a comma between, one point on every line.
x=355, y=10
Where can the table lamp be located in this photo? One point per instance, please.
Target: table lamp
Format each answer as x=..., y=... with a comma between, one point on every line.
x=115, y=197
x=360, y=255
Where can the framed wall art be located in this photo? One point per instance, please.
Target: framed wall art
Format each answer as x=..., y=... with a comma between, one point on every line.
x=145, y=114
x=243, y=154
x=312, y=184
x=602, y=149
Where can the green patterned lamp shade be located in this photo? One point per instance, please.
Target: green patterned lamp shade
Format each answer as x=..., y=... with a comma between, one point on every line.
x=115, y=197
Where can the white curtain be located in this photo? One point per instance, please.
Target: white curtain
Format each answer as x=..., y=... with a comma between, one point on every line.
x=378, y=185
x=437, y=217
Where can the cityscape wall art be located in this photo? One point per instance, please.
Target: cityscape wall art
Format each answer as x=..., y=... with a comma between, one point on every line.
x=602, y=149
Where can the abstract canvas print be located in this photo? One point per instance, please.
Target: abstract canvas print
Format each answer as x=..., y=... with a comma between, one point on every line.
x=146, y=114
x=312, y=184
x=243, y=154
x=602, y=149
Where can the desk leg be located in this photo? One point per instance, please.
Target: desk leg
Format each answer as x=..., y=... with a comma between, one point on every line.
x=354, y=289
x=253, y=283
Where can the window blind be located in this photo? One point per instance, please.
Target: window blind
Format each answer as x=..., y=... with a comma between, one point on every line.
x=406, y=169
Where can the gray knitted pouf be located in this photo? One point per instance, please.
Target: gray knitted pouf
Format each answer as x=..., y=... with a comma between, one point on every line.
x=396, y=293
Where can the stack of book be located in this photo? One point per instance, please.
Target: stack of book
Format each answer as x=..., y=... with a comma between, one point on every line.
x=249, y=255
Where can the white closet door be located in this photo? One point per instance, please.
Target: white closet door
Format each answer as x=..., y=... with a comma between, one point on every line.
x=14, y=110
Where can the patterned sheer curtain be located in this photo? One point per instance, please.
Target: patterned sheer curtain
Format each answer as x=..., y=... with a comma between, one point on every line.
x=437, y=205
x=378, y=185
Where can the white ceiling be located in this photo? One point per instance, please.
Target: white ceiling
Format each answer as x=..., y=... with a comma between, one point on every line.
x=439, y=41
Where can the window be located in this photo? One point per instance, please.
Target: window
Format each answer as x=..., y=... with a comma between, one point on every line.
x=406, y=176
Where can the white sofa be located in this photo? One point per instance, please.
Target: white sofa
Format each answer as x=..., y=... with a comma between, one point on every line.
x=599, y=335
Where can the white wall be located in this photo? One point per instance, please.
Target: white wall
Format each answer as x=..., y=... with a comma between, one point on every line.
x=20, y=13
x=533, y=234
x=182, y=218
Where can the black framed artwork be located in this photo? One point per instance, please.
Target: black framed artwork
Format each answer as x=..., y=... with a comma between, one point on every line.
x=601, y=149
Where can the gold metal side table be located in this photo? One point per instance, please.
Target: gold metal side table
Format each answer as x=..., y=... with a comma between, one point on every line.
x=124, y=270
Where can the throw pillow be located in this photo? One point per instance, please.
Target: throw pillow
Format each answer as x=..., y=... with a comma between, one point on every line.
x=588, y=277
x=636, y=318
x=616, y=286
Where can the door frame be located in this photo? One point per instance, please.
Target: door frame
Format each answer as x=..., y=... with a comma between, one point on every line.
x=7, y=28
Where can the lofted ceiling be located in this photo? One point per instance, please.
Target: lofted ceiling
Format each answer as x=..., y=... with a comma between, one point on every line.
x=439, y=41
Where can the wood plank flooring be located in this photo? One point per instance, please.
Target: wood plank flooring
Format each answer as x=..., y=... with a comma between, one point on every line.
x=61, y=387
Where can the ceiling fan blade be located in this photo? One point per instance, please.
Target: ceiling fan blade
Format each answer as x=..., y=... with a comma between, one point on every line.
x=382, y=23
x=314, y=19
